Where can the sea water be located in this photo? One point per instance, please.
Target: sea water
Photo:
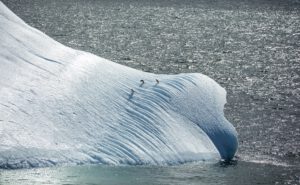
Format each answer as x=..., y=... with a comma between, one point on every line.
x=194, y=173
x=250, y=47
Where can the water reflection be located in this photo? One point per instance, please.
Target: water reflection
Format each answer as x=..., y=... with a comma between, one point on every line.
x=194, y=173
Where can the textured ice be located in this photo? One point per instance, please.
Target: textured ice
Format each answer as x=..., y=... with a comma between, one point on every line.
x=63, y=106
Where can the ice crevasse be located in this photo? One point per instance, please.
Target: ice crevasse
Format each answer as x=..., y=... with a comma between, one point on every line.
x=63, y=106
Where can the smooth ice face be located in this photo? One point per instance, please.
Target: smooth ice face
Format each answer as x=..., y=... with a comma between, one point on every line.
x=60, y=105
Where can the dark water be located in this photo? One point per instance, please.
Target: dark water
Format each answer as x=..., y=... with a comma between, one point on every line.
x=201, y=174
x=252, y=48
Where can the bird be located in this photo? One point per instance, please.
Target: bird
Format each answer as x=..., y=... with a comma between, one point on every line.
x=132, y=91
x=142, y=81
x=157, y=81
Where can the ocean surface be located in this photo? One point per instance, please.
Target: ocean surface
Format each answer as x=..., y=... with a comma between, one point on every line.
x=243, y=173
x=251, y=48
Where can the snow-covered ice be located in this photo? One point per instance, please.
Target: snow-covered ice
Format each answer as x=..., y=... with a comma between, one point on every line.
x=63, y=106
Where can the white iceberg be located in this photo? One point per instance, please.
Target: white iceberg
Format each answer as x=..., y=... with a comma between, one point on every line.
x=63, y=106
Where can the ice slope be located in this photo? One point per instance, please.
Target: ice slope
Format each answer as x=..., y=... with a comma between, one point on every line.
x=63, y=106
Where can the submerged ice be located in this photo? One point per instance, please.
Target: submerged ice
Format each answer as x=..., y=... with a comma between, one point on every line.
x=60, y=105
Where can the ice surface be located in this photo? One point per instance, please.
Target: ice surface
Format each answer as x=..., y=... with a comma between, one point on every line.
x=60, y=105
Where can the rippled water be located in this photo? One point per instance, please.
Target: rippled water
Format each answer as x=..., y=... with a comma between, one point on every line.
x=252, y=48
x=200, y=174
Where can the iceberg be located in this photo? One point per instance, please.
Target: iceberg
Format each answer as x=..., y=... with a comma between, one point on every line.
x=59, y=106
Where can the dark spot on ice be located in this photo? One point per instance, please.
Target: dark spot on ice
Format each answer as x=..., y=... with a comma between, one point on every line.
x=33, y=92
